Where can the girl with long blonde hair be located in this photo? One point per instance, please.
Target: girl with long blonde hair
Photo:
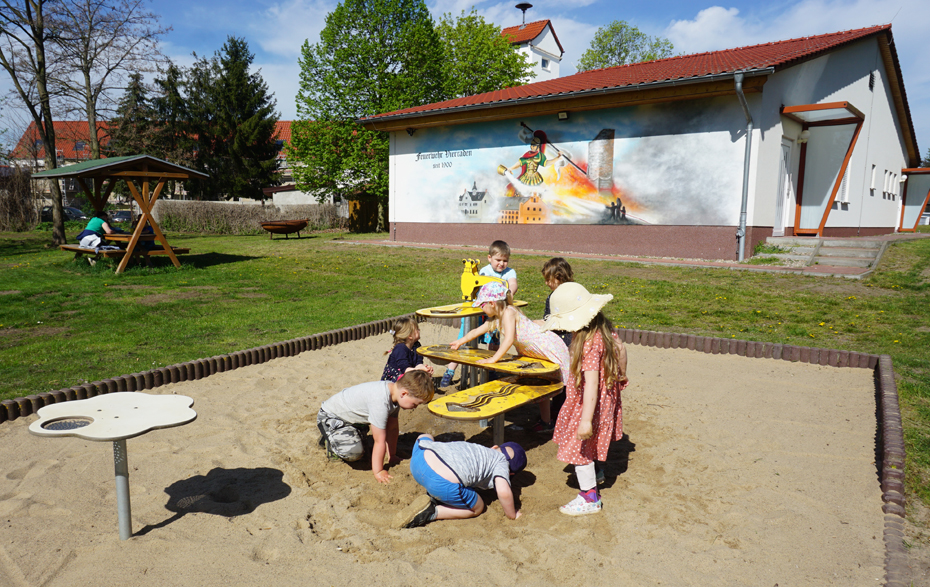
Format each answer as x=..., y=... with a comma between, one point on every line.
x=592, y=415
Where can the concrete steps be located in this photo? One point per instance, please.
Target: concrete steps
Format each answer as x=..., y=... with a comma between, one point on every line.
x=848, y=253
x=852, y=252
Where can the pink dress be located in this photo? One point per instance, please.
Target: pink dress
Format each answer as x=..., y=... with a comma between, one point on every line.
x=532, y=341
x=607, y=421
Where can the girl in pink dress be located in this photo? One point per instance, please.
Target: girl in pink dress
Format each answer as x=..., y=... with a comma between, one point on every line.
x=531, y=339
x=592, y=415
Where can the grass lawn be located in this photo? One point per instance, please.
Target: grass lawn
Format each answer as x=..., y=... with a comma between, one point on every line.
x=63, y=323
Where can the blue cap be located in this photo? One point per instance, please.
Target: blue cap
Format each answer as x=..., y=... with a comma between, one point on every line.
x=516, y=456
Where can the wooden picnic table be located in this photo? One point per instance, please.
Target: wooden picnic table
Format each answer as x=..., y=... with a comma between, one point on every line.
x=98, y=177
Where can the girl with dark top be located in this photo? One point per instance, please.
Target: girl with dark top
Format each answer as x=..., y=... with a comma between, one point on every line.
x=404, y=355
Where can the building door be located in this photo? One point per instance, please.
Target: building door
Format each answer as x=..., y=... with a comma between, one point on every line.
x=783, y=196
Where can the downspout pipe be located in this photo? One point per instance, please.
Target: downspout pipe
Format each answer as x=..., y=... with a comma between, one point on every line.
x=741, y=231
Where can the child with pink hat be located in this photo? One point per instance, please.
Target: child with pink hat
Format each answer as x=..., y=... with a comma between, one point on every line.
x=517, y=330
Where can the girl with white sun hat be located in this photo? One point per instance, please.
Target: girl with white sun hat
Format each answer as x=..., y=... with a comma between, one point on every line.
x=592, y=416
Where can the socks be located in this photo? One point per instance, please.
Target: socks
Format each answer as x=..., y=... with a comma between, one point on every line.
x=590, y=495
x=587, y=482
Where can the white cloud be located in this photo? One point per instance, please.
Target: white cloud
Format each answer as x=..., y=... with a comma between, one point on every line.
x=282, y=29
x=713, y=28
x=716, y=27
x=283, y=80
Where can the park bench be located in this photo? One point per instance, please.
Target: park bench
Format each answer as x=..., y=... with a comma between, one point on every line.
x=94, y=254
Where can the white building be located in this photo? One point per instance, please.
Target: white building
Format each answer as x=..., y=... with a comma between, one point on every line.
x=538, y=41
x=693, y=156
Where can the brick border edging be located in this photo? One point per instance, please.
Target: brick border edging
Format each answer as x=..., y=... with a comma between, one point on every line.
x=11, y=409
x=891, y=438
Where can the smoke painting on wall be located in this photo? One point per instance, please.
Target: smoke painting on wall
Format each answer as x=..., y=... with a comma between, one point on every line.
x=674, y=165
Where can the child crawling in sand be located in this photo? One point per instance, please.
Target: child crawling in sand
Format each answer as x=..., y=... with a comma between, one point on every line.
x=451, y=471
x=344, y=418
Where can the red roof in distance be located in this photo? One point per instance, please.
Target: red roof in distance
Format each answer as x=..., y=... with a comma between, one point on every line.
x=67, y=134
x=756, y=57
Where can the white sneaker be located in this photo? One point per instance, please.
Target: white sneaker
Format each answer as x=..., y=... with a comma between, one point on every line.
x=580, y=507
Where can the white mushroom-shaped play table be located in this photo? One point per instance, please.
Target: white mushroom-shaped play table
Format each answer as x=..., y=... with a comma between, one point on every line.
x=115, y=417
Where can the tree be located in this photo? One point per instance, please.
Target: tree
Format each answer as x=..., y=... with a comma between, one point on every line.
x=24, y=35
x=100, y=42
x=476, y=58
x=132, y=129
x=926, y=161
x=372, y=57
x=232, y=115
x=172, y=136
x=620, y=43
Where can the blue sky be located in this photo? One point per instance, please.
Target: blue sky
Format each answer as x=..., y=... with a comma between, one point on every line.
x=275, y=30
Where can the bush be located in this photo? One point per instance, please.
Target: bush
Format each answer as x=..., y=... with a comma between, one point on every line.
x=240, y=219
x=17, y=208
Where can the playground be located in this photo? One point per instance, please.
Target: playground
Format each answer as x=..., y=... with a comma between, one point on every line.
x=736, y=471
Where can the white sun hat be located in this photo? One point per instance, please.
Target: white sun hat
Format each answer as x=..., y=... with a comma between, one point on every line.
x=572, y=307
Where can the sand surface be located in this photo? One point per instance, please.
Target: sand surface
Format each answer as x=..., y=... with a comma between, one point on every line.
x=736, y=471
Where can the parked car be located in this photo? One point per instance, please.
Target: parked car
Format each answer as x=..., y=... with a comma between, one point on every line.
x=70, y=212
x=121, y=216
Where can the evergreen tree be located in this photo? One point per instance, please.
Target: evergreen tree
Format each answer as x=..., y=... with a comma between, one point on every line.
x=232, y=116
x=620, y=43
x=131, y=130
x=477, y=58
x=373, y=57
x=173, y=138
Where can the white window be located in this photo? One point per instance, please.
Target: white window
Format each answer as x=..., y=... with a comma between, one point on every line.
x=843, y=195
x=545, y=64
x=872, y=184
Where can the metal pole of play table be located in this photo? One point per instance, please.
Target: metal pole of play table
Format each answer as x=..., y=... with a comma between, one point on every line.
x=469, y=373
x=121, y=464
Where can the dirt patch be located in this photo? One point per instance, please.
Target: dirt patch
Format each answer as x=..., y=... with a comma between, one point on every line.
x=252, y=295
x=9, y=292
x=171, y=296
x=131, y=287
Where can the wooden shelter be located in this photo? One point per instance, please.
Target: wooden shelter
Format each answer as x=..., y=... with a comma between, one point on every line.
x=98, y=177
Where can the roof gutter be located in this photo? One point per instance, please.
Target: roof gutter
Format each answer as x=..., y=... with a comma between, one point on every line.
x=372, y=123
x=741, y=231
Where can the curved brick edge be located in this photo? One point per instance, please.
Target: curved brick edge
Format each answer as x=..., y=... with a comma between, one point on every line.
x=897, y=570
x=12, y=409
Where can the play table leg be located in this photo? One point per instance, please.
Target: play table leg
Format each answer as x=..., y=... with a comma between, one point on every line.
x=469, y=373
x=497, y=430
x=121, y=463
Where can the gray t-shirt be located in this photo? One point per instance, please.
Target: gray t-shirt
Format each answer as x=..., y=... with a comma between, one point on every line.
x=364, y=403
x=475, y=465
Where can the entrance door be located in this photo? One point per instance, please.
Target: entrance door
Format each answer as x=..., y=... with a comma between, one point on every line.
x=783, y=196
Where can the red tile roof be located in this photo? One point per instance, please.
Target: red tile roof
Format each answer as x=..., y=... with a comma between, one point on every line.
x=524, y=33
x=282, y=131
x=768, y=56
x=67, y=133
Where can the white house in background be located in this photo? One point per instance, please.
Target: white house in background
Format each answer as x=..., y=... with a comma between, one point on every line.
x=538, y=41
x=693, y=156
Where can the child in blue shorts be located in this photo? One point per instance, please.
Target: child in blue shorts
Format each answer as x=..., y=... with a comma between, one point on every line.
x=451, y=471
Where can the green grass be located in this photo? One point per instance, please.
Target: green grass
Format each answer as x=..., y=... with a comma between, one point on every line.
x=63, y=323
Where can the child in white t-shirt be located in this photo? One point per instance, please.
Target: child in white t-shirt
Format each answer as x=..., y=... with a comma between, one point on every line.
x=343, y=418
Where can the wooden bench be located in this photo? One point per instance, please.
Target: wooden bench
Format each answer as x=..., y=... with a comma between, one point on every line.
x=94, y=254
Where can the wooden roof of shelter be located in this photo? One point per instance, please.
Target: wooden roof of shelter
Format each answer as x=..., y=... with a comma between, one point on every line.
x=126, y=167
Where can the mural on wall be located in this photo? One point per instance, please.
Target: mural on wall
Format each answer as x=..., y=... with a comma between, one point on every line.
x=638, y=165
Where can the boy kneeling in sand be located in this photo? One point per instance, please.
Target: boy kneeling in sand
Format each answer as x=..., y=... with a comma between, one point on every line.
x=451, y=471
x=344, y=417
